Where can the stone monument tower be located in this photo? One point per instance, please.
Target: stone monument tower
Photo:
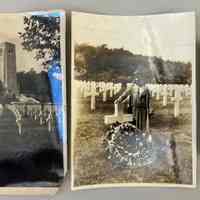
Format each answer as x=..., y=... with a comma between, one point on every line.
x=8, y=67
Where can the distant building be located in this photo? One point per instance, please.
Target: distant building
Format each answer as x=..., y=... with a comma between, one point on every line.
x=8, y=67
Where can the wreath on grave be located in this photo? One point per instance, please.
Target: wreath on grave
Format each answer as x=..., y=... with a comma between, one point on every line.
x=127, y=146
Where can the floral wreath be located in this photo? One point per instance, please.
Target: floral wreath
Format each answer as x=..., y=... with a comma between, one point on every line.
x=127, y=146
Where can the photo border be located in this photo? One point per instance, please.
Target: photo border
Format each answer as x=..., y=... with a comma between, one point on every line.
x=194, y=118
x=44, y=191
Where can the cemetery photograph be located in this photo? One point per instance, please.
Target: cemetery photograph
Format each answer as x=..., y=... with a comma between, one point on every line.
x=133, y=101
x=31, y=100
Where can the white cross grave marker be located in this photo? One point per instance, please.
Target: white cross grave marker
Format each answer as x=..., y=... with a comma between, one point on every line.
x=158, y=92
x=165, y=93
x=118, y=116
x=177, y=98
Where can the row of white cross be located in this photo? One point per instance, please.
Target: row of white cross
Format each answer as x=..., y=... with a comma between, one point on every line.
x=168, y=93
x=174, y=93
x=94, y=89
x=45, y=115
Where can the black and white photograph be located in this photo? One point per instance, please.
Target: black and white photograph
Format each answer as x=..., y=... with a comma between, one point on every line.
x=32, y=100
x=133, y=107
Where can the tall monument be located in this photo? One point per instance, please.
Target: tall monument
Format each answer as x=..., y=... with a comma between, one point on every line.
x=8, y=67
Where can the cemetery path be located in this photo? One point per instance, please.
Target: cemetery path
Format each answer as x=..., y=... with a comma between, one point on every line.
x=7, y=123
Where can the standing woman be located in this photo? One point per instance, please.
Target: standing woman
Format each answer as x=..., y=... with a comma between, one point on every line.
x=142, y=105
x=138, y=97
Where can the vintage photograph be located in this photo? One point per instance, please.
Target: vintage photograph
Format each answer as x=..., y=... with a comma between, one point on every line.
x=133, y=120
x=32, y=99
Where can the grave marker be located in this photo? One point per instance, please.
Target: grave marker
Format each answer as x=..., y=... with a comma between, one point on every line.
x=118, y=116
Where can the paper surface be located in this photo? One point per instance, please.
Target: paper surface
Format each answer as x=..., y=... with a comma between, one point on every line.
x=32, y=102
x=133, y=101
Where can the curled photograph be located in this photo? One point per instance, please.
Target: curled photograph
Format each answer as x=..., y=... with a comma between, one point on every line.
x=32, y=99
x=133, y=107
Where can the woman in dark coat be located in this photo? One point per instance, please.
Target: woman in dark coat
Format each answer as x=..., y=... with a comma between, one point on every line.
x=138, y=97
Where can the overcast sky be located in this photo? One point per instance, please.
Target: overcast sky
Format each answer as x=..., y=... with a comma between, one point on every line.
x=170, y=36
x=10, y=25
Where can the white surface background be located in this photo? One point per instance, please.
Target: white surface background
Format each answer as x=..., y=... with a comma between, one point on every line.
x=116, y=7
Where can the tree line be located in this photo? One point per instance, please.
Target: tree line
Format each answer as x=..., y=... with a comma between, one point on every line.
x=105, y=64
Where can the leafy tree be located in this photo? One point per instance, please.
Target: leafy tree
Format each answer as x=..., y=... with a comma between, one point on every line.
x=34, y=84
x=42, y=34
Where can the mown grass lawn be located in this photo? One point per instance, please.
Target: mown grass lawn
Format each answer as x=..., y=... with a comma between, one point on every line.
x=92, y=167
